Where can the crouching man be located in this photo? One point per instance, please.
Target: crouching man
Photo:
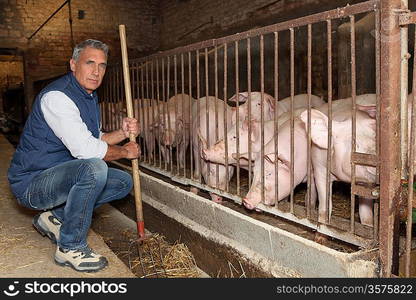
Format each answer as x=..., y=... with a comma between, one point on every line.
x=59, y=165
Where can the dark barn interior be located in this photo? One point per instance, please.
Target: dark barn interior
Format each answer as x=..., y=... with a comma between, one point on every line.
x=36, y=42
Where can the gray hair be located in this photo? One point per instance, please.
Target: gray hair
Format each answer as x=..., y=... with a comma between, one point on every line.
x=89, y=43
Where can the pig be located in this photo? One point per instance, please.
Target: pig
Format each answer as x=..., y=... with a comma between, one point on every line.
x=270, y=104
x=283, y=158
x=341, y=148
x=146, y=111
x=200, y=133
x=216, y=153
x=174, y=124
x=209, y=170
x=283, y=155
x=341, y=152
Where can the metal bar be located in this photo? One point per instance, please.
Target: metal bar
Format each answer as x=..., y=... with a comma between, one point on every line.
x=292, y=119
x=276, y=113
x=390, y=162
x=407, y=18
x=370, y=191
x=207, y=113
x=315, y=18
x=249, y=108
x=309, y=157
x=186, y=125
x=165, y=150
x=262, y=114
x=47, y=20
x=354, y=122
x=329, y=154
x=217, y=179
x=167, y=112
x=365, y=159
x=237, y=119
x=411, y=160
x=158, y=111
x=404, y=74
x=152, y=109
x=227, y=173
x=198, y=95
x=70, y=23
x=191, y=142
x=175, y=71
x=148, y=108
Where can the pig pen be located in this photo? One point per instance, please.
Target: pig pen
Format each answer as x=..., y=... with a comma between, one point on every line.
x=276, y=62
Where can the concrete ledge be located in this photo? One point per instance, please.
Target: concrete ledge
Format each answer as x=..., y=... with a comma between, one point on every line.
x=276, y=251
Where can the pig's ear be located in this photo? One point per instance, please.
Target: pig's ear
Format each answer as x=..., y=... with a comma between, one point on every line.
x=242, y=97
x=319, y=127
x=371, y=110
x=271, y=101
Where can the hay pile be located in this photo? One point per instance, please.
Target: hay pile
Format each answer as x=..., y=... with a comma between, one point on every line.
x=156, y=258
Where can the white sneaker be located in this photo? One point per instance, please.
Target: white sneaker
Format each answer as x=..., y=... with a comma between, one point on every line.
x=83, y=260
x=46, y=224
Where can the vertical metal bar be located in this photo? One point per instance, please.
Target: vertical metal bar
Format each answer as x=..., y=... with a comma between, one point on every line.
x=164, y=99
x=167, y=111
x=237, y=119
x=143, y=107
x=152, y=109
x=403, y=94
x=157, y=132
x=227, y=175
x=217, y=179
x=292, y=120
x=329, y=160
x=175, y=68
x=249, y=108
x=262, y=114
x=354, y=120
x=378, y=66
x=183, y=117
x=198, y=95
x=411, y=172
x=148, y=110
x=309, y=157
x=207, y=109
x=276, y=113
x=191, y=147
x=390, y=162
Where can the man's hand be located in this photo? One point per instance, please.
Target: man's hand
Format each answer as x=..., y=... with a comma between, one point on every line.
x=133, y=150
x=130, y=125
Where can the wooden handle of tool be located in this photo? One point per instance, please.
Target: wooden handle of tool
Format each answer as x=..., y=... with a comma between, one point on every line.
x=135, y=162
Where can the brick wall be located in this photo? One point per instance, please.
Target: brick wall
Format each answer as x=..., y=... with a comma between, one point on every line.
x=47, y=54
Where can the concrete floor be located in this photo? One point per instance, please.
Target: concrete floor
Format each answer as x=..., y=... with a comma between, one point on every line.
x=24, y=252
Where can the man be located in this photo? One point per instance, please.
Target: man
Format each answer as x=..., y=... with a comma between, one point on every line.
x=59, y=165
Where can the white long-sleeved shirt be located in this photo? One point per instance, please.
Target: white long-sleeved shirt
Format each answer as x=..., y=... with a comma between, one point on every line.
x=63, y=117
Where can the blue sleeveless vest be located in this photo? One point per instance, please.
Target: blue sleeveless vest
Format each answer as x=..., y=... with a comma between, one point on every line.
x=39, y=148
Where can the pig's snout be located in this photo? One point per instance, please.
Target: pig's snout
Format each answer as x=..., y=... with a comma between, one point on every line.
x=247, y=204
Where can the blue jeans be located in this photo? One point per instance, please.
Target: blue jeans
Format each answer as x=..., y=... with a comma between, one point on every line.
x=72, y=190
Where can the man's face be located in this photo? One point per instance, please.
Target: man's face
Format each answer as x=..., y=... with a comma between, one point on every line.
x=89, y=69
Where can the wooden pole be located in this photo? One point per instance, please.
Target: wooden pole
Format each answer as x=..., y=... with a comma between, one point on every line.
x=135, y=162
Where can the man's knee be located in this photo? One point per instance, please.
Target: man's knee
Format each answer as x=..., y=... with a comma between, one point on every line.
x=97, y=168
